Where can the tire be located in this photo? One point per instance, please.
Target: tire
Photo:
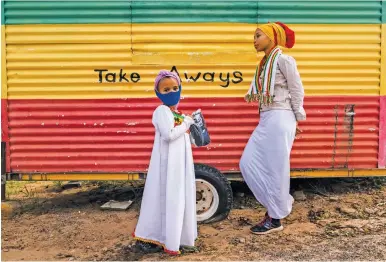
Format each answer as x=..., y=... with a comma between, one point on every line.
x=214, y=195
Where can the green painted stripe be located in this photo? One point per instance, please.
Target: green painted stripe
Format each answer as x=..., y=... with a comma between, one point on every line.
x=194, y=11
x=67, y=12
x=2, y=13
x=321, y=12
x=161, y=11
x=294, y=12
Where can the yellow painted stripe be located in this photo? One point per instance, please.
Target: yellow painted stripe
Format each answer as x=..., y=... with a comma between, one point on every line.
x=116, y=177
x=338, y=173
x=69, y=33
x=383, y=61
x=78, y=177
x=58, y=61
x=3, y=65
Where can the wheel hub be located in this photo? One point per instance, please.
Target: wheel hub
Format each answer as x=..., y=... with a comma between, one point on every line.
x=207, y=199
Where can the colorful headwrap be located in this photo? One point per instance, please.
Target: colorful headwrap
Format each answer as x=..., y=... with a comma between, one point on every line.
x=165, y=73
x=263, y=83
x=278, y=32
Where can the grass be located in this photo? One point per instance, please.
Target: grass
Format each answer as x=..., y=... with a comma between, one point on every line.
x=27, y=189
x=30, y=189
x=58, y=184
x=113, y=184
x=14, y=188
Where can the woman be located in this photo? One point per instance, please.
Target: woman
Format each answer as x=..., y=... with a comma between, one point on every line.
x=168, y=212
x=277, y=87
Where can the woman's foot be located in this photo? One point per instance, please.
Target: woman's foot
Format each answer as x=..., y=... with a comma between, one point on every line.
x=148, y=247
x=267, y=226
x=262, y=221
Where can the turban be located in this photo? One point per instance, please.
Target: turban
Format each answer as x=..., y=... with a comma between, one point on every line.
x=279, y=33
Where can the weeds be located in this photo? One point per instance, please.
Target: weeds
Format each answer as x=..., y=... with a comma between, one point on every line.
x=29, y=192
x=14, y=188
x=58, y=184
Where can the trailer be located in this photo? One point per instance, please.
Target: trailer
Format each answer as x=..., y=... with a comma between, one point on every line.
x=77, y=87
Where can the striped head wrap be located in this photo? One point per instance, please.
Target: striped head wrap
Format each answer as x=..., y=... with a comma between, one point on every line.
x=279, y=33
x=262, y=89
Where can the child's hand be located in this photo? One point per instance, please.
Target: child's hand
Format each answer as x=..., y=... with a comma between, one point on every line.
x=189, y=119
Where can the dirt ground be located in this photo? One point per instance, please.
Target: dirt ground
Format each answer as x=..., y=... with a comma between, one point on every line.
x=339, y=219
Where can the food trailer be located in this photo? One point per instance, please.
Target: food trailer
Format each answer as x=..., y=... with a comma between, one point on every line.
x=77, y=87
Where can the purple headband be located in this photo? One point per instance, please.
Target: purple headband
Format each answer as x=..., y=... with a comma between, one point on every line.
x=164, y=73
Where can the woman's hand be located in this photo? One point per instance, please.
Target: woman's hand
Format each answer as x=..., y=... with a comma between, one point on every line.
x=298, y=130
x=246, y=98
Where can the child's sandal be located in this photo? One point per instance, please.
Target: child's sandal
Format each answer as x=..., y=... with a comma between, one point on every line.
x=148, y=248
x=188, y=249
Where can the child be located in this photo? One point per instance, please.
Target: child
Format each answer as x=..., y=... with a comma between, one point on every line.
x=168, y=211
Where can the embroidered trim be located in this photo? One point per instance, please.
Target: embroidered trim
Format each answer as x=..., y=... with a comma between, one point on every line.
x=263, y=91
x=178, y=118
x=175, y=253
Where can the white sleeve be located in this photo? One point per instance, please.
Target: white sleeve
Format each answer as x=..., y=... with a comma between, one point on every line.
x=295, y=86
x=165, y=124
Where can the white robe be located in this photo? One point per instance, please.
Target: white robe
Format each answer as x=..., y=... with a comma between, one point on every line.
x=168, y=209
x=265, y=163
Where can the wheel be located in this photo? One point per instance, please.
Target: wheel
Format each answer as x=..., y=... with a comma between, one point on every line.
x=214, y=195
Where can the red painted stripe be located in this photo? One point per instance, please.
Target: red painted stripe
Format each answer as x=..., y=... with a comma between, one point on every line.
x=5, y=132
x=382, y=133
x=116, y=135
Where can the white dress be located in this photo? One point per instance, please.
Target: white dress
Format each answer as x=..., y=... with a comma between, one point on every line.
x=168, y=209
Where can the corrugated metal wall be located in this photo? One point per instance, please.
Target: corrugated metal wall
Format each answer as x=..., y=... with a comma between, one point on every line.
x=145, y=11
x=61, y=119
x=58, y=61
x=194, y=11
x=321, y=12
x=66, y=12
x=332, y=59
x=116, y=135
x=382, y=99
